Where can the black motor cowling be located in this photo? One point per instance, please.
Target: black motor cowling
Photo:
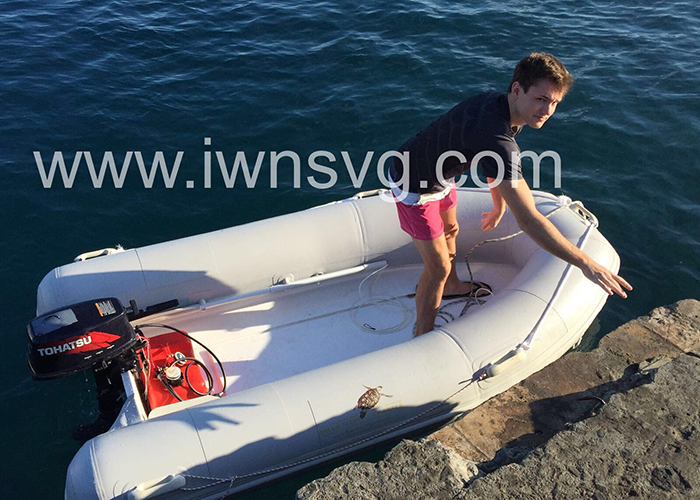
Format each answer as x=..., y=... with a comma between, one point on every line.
x=79, y=337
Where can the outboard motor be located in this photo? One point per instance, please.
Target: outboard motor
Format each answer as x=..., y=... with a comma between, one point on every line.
x=93, y=335
x=79, y=337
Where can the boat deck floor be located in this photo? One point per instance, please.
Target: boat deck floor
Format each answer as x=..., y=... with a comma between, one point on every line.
x=274, y=336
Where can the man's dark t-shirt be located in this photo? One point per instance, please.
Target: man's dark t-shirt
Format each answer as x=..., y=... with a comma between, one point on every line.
x=481, y=123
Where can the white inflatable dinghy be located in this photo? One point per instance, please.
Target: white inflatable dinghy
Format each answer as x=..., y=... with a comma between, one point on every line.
x=287, y=342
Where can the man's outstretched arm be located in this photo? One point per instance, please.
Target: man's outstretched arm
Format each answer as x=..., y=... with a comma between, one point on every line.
x=547, y=236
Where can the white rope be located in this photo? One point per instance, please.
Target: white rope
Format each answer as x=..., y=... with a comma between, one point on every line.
x=392, y=302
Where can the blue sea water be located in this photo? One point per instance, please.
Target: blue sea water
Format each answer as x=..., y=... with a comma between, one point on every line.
x=304, y=76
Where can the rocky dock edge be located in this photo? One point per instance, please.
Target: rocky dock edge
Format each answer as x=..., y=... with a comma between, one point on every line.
x=620, y=421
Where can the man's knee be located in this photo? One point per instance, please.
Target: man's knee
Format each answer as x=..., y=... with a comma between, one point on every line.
x=451, y=230
x=439, y=268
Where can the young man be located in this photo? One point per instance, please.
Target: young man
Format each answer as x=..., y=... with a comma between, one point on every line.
x=426, y=201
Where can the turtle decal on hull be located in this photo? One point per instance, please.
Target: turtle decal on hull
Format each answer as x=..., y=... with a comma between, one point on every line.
x=369, y=399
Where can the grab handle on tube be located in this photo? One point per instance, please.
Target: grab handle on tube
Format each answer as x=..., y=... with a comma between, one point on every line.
x=511, y=358
x=156, y=487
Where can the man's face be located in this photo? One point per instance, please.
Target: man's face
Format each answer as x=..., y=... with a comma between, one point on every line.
x=535, y=106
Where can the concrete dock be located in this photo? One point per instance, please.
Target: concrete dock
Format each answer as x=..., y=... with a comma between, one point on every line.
x=620, y=421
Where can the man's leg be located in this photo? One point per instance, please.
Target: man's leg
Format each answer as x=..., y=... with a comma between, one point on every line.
x=452, y=285
x=436, y=269
x=433, y=227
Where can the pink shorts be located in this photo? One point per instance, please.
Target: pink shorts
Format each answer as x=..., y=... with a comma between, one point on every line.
x=423, y=222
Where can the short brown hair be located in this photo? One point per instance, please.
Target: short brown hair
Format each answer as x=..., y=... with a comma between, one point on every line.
x=538, y=66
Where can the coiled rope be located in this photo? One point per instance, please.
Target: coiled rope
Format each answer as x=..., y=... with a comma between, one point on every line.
x=393, y=302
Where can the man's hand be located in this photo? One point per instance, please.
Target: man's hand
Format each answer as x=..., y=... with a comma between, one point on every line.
x=606, y=279
x=491, y=219
x=546, y=235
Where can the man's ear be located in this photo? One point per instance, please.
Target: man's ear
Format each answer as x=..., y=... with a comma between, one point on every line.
x=516, y=88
